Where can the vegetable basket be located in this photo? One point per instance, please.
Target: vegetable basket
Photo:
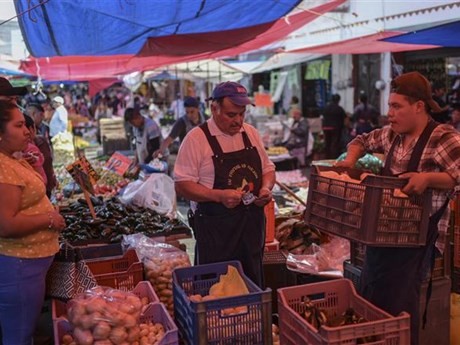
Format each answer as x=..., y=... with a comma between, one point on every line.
x=206, y=322
x=334, y=297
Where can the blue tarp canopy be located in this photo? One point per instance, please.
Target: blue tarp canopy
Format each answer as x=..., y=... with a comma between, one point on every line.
x=111, y=27
x=446, y=35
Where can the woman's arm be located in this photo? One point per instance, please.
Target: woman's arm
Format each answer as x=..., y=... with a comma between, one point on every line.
x=15, y=225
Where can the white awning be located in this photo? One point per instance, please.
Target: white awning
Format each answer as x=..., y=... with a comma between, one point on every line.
x=280, y=60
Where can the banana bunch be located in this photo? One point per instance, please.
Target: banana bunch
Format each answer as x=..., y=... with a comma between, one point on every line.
x=313, y=315
x=277, y=150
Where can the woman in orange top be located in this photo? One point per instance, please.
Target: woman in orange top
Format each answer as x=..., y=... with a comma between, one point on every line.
x=29, y=229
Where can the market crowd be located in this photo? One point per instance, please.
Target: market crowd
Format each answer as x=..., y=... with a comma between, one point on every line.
x=223, y=169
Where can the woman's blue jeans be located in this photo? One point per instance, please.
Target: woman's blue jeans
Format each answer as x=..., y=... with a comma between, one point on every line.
x=22, y=292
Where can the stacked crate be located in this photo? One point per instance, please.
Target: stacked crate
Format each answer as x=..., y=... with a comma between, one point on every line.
x=113, y=135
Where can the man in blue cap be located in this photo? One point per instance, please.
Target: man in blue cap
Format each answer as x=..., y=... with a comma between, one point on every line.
x=193, y=117
x=223, y=168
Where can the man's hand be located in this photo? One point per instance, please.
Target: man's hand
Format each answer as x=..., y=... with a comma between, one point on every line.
x=231, y=198
x=264, y=197
x=344, y=164
x=157, y=153
x=417, y=184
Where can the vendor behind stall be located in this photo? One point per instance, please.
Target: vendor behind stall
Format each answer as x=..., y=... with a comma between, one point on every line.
x=222, y=166
x=147, y=134
x=192, y=118
x=427, y=154
x=298, y=137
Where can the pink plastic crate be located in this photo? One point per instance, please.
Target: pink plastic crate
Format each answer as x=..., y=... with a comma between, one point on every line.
x=61, y=327
x=157, y=313
x=335, y=297
x=142, y=289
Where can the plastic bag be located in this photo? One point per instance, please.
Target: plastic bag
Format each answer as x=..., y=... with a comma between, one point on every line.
x=156, y=193
x=326, y=259
x=159, y=259
x=130, y=191
x=105, y=314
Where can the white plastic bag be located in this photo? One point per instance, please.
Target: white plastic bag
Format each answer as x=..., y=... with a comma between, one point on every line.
x=157, y=193
x=130, y=191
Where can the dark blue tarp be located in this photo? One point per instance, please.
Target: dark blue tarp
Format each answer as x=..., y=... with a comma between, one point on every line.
x=446, y=35
x=110, y=27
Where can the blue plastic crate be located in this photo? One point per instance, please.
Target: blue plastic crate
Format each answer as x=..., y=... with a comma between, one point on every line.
x=203, y=323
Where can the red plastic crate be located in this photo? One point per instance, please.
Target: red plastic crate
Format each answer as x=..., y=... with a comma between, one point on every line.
x=367, y=212
x=272, y=246
x=121, y=272
x=335, y=297
x=202, y=323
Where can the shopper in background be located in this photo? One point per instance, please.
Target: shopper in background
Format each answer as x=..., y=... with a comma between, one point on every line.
x=37, y=113
x=365, y=116
x=29, y=229
x=222, y=166
x=427, y=154
x=177, y=107
x=455, y=117
x=439, y=96
x=333, y=124
x=294, y=105
x=59, y=120
x=192, y=118
x=8, y=92
x=147, y=134
x=32, y=153
x=43, y=143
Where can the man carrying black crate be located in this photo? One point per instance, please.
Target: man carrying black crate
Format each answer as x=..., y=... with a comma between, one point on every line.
x=427, y=154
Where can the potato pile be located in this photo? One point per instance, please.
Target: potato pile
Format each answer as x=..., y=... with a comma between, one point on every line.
x=158, y=270
x=151, y=333
x=104, y=316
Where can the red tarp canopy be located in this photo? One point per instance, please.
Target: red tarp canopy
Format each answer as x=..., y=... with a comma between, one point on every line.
x=87, y=68
x=369, y=44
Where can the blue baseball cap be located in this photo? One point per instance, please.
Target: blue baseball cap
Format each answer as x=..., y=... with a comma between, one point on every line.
x=235, y=91
x=191, y=102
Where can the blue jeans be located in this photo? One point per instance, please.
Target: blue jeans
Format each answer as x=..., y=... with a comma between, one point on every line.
x=22, y=292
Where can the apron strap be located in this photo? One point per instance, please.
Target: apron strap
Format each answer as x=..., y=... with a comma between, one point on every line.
x=215, y=146
x=417, y=151
x=432, y=243
x=386, y=168
x=420, y=146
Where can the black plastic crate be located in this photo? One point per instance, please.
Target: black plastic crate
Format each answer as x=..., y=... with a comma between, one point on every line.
x=276, y=274
x=370, y=211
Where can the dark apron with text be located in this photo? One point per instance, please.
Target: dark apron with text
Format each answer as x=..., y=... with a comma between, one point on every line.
x=392, y=277
x=224, y=234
